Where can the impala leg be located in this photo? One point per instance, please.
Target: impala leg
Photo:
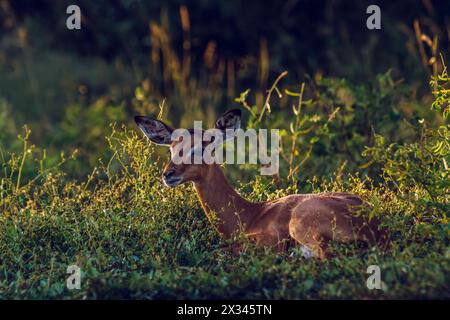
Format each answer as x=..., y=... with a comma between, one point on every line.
x=311, y=242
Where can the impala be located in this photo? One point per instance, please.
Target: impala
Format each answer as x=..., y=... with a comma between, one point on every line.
x=309, y=220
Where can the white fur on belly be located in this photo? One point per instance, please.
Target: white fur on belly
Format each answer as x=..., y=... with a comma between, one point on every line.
x=307, y=253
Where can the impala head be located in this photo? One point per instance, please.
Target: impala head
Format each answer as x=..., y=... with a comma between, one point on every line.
x=184, y=147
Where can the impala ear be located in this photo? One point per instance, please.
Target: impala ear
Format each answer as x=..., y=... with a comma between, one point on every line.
x=157, y=131
x=229, y=120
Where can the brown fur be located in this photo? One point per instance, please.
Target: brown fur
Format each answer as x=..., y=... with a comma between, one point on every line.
x=311, y=220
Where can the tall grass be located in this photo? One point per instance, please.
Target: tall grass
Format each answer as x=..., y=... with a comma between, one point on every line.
x=133, y=238
x=89, y=193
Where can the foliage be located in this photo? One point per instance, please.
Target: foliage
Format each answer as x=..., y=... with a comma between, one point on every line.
x=329, y=122
x=421, y=165
x=133, y=238
x=75, y=189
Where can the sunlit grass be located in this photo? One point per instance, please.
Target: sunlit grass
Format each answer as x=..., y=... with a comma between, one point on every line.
x=134, y=238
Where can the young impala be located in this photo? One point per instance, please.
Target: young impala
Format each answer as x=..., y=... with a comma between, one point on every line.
x=311, y=220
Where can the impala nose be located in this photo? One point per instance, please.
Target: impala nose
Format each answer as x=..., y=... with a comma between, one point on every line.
x=168, y=173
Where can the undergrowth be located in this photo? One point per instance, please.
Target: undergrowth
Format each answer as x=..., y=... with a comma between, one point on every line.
x=134, y=238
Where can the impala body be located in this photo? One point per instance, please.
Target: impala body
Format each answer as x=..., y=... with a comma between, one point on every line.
x=310, y=220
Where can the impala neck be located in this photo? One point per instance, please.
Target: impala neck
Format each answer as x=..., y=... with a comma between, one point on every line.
x=224, y=207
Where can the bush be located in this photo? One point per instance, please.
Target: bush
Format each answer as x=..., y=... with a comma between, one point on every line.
x=133, y=238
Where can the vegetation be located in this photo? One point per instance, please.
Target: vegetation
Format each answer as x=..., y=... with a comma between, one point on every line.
x=81, y=186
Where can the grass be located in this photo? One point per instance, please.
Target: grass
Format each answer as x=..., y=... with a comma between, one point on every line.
x=134, y=238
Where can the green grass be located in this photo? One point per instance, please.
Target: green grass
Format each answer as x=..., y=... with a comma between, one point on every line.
x=135, y=239
x=69, y=196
